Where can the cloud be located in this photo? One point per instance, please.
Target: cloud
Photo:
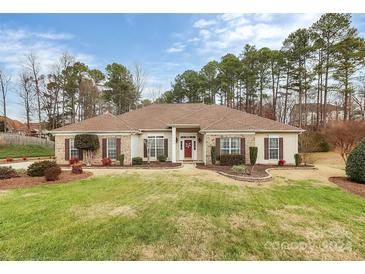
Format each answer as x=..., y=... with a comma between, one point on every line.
x=202, y=23
x=177, y=47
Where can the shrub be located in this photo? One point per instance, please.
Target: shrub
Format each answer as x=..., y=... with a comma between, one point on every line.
x=24, y=158
x=121, y=159
x=281, y=162
x=38, y=168
x=162, y=158
x=87, y=141
x=77, y=168
x=212, y=155
x=9, y=159
x=355, y=166
x=313, y=141
x=52, y=173
x=253, y=155
x=7, y=173
x=106, y=162
x=239, y=168
x=298, y=159
x=137, y=161
x=231, y=159
x=73, y=160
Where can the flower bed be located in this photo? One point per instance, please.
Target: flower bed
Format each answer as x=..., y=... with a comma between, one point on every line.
x=145, y=165
x=348, y=185
x=26, y=181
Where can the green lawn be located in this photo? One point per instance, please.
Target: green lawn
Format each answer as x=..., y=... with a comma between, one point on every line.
x=17, y=151
x=169, y=216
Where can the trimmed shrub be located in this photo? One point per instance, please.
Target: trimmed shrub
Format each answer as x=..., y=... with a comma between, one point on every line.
x=137, y=161
x=161, y=158
x=239, y=169
x=281, y=162
x=24, y=158
x=121, y=159
x=106, y=162
x=87, y=141
x=52, y=173
x=7, y=173
x=38, y=168
x=77, y=168
x=9, y=159
x=298, y=159
x=355, y=167
x=231, y=159
x=253, y=155
x=212, y=155
x=73, y=160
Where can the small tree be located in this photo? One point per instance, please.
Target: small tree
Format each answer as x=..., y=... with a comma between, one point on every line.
x=344, y=136
x=253, y=156
x=306, y=144
x=355, y=167
x=88, y=142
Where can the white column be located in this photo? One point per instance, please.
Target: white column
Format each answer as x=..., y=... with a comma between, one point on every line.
x=204, y=149
x=173, y=145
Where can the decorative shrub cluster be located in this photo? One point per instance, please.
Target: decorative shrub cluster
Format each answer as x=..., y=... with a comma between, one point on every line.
x=355, y=166
x=281, y=162
x=298, y=159
x=9, y=159
x=162, y=158
x=87, y=141
x=106, y=162
x=231, y=159
x=121, y=159
x=76, y=168
x=24, y=158
x=52, y=173
x=239, y=168
x=137, y=161
x=212, y=155
x=73, y=160
x=38, y=168
x=7, y=173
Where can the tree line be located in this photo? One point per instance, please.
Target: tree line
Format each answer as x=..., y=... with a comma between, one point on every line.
x=317, y=65
x=71, y=91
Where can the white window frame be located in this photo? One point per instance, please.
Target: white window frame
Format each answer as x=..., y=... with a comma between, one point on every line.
x=229, y=149
x=153, y=139
x=107, y=148
x=274, y=148
x=73, y=149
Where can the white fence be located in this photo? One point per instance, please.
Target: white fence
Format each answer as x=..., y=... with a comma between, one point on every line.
x=14, y=139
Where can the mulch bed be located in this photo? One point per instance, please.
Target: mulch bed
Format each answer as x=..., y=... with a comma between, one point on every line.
x=151, y=165
x=26, y=181
x=20, y=160
x=259, y=173
x=348, y=185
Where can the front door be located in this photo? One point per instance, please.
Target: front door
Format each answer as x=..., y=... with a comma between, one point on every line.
x=187, y=148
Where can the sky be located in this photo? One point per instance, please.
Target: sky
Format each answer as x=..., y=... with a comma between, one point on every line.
x=164, y=44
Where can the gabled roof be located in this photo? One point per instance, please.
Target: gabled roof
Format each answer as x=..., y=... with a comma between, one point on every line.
x=104, y=122
x=15, y=124
x=163, y=116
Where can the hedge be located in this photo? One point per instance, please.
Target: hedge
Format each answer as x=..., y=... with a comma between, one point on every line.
x=232, y=159
x=355, y=166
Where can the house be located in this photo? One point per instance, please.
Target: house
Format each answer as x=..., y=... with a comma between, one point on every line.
x=182, y=132
x=12, y=126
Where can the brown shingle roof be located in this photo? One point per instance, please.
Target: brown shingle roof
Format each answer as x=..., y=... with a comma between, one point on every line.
x=162, y=116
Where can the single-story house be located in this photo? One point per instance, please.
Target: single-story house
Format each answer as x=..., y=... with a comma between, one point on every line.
x=182, y=132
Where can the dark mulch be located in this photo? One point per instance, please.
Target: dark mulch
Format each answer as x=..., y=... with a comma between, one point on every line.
x=348, y=185
x=26, y=181
x=156, y=165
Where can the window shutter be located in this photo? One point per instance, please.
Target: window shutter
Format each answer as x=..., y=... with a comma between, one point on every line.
x=281, y=148
x=266, y=148
x=243, y=149
x=118, y=147
x=103, y=148
x=81, y=154
x=166, y=147
x=67, y=149
x=217, y=148
x=145, y=148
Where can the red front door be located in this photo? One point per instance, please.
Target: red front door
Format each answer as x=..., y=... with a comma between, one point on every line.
x=187, y=148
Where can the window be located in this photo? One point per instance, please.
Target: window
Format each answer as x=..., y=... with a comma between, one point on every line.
x=274, y=148
x=74, y=152
x=112, y=148
x=156, y=146
x=230, y=145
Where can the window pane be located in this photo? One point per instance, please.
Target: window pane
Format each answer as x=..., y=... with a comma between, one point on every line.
x=159, y=147
x=112, y=148
x=152, y=146
x=274, y=153
x=74, y=152
x=274, y=143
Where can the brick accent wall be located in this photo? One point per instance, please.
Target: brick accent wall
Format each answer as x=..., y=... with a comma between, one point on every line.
x=210, y=141
x=125, y=147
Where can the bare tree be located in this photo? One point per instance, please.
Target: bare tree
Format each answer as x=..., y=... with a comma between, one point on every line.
x=4, y=85
x=139, y=78
x=25, y=94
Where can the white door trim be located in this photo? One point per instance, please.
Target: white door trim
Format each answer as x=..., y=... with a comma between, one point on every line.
x=194, y=138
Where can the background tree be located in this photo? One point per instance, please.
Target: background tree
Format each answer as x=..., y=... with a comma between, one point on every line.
x=4, y=86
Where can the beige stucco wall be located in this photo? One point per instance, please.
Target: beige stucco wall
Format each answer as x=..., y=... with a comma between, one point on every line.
x=125, y=148
x=290, y=146
x=210, y=141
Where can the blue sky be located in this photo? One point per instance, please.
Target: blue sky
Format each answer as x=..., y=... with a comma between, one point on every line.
x=165, y=44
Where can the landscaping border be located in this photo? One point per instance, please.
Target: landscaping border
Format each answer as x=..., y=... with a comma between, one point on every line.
x=117, y=167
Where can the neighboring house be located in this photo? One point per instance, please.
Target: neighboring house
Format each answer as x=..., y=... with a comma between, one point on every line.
x=12, y=126
x=334, y=113
x=182, y=132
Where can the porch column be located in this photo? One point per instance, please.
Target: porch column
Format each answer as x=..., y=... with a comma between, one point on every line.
x=204, y=149
x=173, y=145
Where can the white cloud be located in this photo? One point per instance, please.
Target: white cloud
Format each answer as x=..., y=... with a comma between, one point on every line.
x=177, y=47
x=205, y=34
x=202, y=23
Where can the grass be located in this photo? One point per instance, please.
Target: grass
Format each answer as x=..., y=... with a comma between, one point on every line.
x=169, y=216
x=17, y=151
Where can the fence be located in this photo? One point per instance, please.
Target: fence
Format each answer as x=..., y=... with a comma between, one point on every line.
x=14, y=139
